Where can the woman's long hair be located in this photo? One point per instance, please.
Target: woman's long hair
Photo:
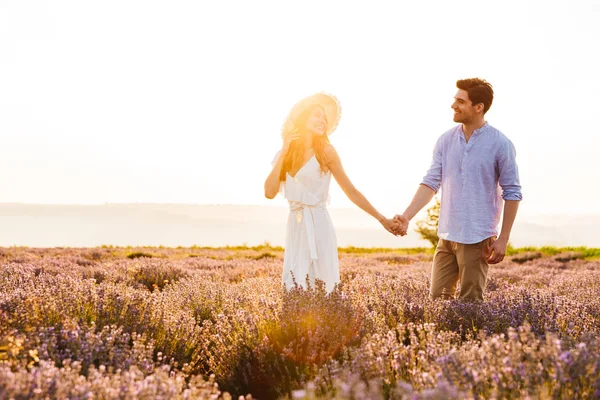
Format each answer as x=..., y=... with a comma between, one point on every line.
x=295, y=155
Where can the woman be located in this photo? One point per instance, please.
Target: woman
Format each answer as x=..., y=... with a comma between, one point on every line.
x=303, y=169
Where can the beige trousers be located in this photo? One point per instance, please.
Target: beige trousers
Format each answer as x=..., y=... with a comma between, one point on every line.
x=457, y=262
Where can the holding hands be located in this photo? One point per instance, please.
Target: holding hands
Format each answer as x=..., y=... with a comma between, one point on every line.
x=401, y=223
x=396, y=226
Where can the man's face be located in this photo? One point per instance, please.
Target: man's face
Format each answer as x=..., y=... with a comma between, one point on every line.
x=464, y=110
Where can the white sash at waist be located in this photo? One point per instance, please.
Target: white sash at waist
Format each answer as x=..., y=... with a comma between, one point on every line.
x=304, y=213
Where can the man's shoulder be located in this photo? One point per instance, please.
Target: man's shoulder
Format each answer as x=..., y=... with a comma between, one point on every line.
x=497, y=135
x=497, y=140
x=455, y=130
x=495, y=132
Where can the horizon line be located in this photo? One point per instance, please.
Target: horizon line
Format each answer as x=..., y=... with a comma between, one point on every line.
x=244, y=205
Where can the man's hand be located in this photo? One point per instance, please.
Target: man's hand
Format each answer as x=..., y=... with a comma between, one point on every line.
x=401, y=223
x=495, y=251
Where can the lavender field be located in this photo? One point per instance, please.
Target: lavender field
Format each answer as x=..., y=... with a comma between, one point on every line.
x=193, y=323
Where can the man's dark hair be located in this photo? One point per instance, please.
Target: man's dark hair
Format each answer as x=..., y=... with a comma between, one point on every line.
x=479, y=90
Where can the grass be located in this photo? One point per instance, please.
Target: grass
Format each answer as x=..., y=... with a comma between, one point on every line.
x=587, y=253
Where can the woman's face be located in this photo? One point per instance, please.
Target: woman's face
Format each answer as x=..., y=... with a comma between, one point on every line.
x=316, y=123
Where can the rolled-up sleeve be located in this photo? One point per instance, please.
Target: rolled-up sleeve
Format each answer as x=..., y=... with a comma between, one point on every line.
x=509, y=172
x=433, y=179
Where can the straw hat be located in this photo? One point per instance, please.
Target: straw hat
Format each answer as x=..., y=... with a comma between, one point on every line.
x=330, y=104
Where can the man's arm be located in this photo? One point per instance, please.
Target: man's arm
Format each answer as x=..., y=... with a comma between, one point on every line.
x=511, y=193
x=510, y=213
x=497, y=250
x=422, y=197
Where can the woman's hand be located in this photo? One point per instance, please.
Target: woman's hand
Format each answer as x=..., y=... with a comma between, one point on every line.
x=288, y=138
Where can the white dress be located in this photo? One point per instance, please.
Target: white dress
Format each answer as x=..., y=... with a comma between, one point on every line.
x=310, y=243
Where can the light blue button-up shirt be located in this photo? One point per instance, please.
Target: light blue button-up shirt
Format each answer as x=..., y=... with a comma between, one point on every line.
x=474, y=177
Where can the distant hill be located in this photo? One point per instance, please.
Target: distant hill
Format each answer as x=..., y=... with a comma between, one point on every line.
x=218, y=225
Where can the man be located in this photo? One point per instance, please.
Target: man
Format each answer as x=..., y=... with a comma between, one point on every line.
x=475, y=166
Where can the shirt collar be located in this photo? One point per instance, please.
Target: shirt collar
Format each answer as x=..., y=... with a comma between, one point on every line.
x=482, y=129
x=476, y=131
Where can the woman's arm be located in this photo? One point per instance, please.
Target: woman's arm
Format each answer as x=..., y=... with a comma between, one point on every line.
x=334, y=164
x=272, y=182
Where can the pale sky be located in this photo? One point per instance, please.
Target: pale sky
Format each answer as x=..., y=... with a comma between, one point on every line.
x=182, y=101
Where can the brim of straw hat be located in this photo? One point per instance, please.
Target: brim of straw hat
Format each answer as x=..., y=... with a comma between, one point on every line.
x=330, y=104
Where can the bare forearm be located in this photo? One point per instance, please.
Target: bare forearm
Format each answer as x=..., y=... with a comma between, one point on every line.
x=510, y=213
x=361, y=201
x=422, y=197
x=272, y=182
